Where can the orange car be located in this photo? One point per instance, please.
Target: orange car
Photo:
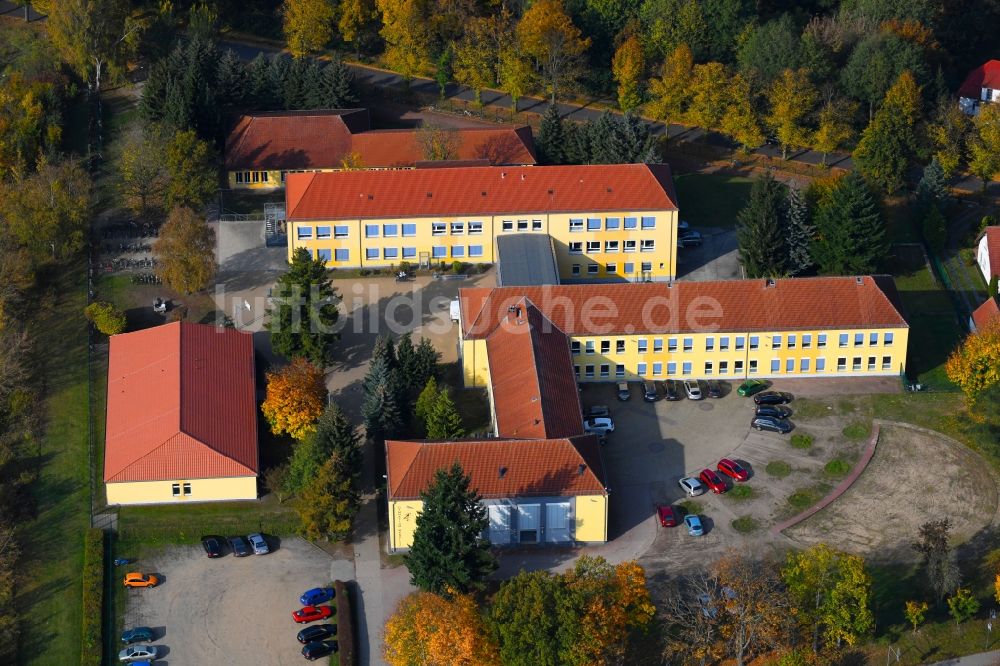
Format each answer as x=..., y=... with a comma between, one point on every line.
x=136, y=579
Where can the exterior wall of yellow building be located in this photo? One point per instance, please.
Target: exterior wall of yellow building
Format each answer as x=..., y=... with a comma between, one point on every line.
x=580, y=240
x=475, y=363
x=250, y=181
x=403, y=522
x=733, y=355
x=201, y=490
x=591, y=521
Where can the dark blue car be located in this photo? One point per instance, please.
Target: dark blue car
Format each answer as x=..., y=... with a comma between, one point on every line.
x=137, y=635
x=316, y=596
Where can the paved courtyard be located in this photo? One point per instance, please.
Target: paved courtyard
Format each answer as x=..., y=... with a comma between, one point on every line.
x=716, y=259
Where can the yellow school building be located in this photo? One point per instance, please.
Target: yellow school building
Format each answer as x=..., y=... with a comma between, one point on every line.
x=607, y=222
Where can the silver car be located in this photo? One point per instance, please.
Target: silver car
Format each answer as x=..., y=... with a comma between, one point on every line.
x=138, y=653
x=692, y=487
x=692, y=389
x=258, y=544
x=599, y=426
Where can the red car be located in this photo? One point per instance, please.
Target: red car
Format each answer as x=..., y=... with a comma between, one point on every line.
x=733, y=469
x=713, y=481
x=667, y=515
x=312, y=613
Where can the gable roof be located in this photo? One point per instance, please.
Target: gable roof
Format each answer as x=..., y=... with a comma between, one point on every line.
x=479, y=191
x=986, y=75
x=181, y=404
x=992, y=235
x=691, y=307
x=532, y=467
x=321, y=139
x=532, y=379
x=986, y=313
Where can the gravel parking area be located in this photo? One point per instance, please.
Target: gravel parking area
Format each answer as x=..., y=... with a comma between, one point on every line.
x=230, y=610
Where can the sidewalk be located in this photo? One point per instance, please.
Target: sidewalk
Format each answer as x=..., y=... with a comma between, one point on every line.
x=981, y=659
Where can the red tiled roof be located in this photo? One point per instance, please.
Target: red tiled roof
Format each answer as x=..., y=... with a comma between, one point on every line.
x=691, y=307
x=181, y=404
x=533, y=467
x=321, y=140
x=986, y=313
x=986, y=75
x=531, y=373
x=992, y=248
x=479, y=191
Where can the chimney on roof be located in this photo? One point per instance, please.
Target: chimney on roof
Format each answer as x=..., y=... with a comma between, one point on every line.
x=552, y=191
x=580, y=469
x=859, y=280
x=430, y=194
x=502, y=472
x=371, y=197
x=523, y=176
x=769, y=283
x=503, y=174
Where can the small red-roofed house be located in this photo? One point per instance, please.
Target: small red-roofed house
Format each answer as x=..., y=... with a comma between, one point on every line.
x=988, y=252
x=981, y=86
x=985, y=314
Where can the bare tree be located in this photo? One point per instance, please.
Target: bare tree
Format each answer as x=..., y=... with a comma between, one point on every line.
x=438, y=143
x=755, y=606
x=692, y=613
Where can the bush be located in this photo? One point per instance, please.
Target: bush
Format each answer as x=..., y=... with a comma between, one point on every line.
x=405, y=266
x=745, y=524
x=365, y=272
x=778, y=468
x=740, y=493
x=484, y=267
x=690, y=507
x=968, y=256
x=801, y=441
x=345, y=625
x=837, y=467
x=457, y=267
x=856, y=430
x=93, y=597
x=987, y=221
x=105, y=317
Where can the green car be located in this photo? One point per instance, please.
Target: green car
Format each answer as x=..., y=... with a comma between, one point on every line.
x=751, y=386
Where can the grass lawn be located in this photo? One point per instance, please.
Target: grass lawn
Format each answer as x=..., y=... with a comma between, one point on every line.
x=711, y=200
x=50, y=596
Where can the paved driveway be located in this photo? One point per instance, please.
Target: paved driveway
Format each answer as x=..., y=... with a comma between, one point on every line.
x=230, y=610
x=716, y=259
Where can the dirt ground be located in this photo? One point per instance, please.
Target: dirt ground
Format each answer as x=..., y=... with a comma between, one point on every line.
x=230, y=610
x=914, y=477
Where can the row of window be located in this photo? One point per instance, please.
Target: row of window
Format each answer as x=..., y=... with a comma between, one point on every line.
x=628, y=268
x=476, y=228
x=374, y=253
x=251, y=177
x=322, y=232
x=793, y=340
x=611, y=223
x=710, y=367
x=180, y=489
x=646, y=245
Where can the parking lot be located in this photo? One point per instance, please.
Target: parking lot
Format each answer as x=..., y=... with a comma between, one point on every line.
x=229, y=610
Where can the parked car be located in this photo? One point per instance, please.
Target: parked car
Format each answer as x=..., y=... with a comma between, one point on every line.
x=772, y=398
x=597, y=411
x=212, y=546
x=733, y=470
x=689, y=239
x=692, y=487
x=713, y=481
x=317, y=632
x=777, y=411
x=649, y=392
x=751, y=386
x=136, y=579
x=258, y=543
x=239, y=545
x=319, y=649
x=599, y=426
x=772, y=424
x=135, y=653
x=670, y=391
x=693, y=523
x=316, y=596
x=137, y=635
x=667, y=515
x=311, y=614
x=692, y=389
x=714, y=388
x=624, y=394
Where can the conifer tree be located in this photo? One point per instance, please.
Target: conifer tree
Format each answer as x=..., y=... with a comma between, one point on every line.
x=448, y=550
x=232, y=82
x=934, y=231
x=551, y=137
x=304, y=311
x=762, y=243
x=444, y=421
x=850, y=230
x=799, y=234
x=425, y=402
x=263, y=96
x=337, y=86
x=329, y=503
x=932, y=190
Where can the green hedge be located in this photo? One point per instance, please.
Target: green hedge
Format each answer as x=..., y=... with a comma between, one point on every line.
x=93, y=597
x=345, y=625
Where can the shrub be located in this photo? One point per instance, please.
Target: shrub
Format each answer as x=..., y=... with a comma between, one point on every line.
x=837, y=467
x=93, y=597
x=801, y=441
x=457, y=267
x=405, y=266
x=802, y=498
x=484, y=267
x=740, y=493
x=690, y=507
x=745, y=524
x=365, y=272
x=856, y=430
x=778, y=468
x=345, y=625
x=105, y=317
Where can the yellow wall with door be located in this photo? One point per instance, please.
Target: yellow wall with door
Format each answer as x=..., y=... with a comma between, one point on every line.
x=591, y=522
x=403, y=522
x=202, y=490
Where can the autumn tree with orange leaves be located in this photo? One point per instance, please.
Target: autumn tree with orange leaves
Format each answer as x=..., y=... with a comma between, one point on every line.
x=432, y=630
x=975, y=365
x=547, y=34
x=296, y=396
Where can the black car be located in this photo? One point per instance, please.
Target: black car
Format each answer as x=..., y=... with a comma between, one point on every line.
x=649, y=392
x=689, y=238
x=137, y=635
x=771, y=423
x=240, y=546
x=772, y=398
x=319, y=649
x=714, y=388
x=316, y=632
x=212, y=545
x=774, y=411
x=670, y=391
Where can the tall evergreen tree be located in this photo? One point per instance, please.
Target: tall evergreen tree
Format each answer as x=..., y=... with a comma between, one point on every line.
x=334, y=434
x=799, y=234
x=578, y=145
x=425, y=403
x=444, y=421
x=295, y=92
x=763, y=245
x=551, y=137
x=232, y=83
x=448, y=550
x=154, y=92
x=934, y=230
x=304, y=312
x=406, y=356
x=932, y=190
x=336, y=88
x=850, y=230
x=263, y=96
x=889, y=143
x=329, y=503
x=624, y=139
x=425, y=363
x=381, y=413
x=277, y=74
